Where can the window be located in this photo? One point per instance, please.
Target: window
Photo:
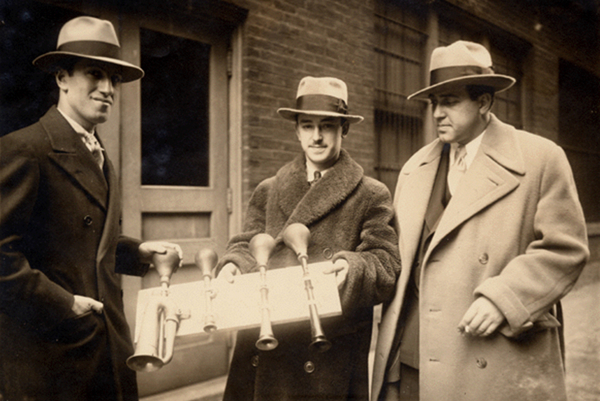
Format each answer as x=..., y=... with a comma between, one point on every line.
x=175, y=145
x=400, y=53
x=579, y=119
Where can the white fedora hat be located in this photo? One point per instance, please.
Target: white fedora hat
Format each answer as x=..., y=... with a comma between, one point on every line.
x=462, y=63
x=91, y=38
x=321, y=97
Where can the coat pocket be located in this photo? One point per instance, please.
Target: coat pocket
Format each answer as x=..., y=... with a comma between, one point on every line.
x=77, y=330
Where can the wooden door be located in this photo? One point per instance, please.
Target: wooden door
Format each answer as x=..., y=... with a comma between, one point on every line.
x=174, y=168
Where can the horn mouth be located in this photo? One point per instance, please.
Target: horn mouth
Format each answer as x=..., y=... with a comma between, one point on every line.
x=145, y=363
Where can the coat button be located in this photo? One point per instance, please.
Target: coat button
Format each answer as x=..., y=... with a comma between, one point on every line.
x=309, y=367
x=481, y=363
x=254, y=361
x=484, y=258
x=327, y=253
x=88, y=220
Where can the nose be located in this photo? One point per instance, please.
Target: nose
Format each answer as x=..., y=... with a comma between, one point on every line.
x=437, y=112
x=317, y=135
x=106, y=86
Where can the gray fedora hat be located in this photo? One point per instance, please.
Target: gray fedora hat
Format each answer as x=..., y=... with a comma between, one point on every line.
x=322, y=97
x=462, y=63
x=92, y=38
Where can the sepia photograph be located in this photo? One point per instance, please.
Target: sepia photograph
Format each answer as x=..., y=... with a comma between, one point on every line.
x=285, y=200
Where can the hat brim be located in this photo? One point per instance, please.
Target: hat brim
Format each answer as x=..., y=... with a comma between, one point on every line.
x=498, y=82
x=48, y=61
x=290, y=114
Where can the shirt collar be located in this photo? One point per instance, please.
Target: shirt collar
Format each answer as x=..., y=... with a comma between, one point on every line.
x=310, y=172
x=76, y=126
x=472, y=148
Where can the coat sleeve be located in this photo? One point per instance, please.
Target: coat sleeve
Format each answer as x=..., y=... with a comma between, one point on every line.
x=26, y=294
x=128, y=259
x=374, y=265
x=533, y=282
x=237, y=249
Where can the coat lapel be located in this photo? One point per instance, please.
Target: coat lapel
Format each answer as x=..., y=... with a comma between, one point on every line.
x=72, y=156
x=111, y=224
x=411, y=201
x=490, y=178
x=305, y=206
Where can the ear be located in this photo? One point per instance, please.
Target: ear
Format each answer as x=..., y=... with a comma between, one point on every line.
x=485, y=103
x=61, y=81
x=345, y=128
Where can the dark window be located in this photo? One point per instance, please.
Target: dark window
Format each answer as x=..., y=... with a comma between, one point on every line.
x=399, y=53
x=175, y=138
x=579, y=122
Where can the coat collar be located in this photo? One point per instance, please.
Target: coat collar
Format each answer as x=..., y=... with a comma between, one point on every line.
x=305, y=204
x=70, y=153
x=492, y=176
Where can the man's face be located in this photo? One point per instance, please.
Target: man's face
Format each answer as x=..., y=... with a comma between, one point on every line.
x=321, y=139
x=88, y=94
x=456, y=117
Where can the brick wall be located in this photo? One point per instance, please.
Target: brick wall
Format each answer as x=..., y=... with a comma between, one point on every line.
x=285, y=40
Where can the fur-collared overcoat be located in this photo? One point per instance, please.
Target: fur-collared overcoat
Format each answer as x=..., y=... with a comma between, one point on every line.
x=59, y=237
x=349, y=216
x=513, y=232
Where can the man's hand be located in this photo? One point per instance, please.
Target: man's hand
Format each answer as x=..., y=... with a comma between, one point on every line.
x=340, y=267
x=147, y=249
x=83, y=304
x=481, y=319
x=228, y=272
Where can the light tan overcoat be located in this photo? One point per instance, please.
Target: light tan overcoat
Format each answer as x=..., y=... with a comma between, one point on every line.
x=514, y=232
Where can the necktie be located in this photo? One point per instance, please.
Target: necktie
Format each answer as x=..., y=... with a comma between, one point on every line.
x=317, y=177
x=93, y=145
x=458, y=168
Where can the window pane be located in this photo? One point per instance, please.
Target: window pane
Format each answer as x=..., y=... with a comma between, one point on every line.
x=175, y=134
x=399, y=54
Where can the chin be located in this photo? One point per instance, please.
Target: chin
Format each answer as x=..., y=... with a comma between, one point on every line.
x=445, y=138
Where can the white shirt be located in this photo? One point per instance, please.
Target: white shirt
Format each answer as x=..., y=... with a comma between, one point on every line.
x=91, y=143
x=471, y=148
x=310, y=172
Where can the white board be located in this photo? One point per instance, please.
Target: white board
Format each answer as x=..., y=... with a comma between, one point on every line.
x=238, y=305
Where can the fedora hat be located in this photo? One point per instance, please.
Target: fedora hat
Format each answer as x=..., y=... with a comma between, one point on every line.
x=321, y=97
x=462, y=63
x=91, y=38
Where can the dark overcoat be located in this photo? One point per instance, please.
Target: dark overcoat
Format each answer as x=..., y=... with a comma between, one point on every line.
x=59, y=223
x=513, y=232
x=350, y=216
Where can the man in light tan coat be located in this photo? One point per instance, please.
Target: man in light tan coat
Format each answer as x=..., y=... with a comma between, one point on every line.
x=492, y=236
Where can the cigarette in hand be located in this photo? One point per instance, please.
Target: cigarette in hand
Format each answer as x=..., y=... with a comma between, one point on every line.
x=464, y=330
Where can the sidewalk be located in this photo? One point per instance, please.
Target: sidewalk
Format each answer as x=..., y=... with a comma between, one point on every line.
x=582, y=336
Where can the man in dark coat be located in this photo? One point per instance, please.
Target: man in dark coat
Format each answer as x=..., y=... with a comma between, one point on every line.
x=350, y=221
x=62, y=325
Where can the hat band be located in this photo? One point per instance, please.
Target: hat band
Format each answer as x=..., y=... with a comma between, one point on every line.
x=446, y=73
x=321, y=103
x=91, y=48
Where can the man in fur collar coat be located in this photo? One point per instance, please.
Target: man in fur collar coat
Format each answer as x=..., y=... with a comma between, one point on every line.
x=350, y=218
